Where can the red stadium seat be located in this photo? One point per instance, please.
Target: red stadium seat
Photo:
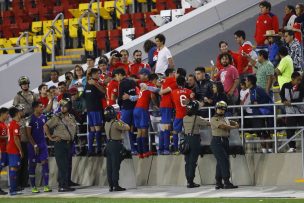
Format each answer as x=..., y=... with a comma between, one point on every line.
x=150, y=28
x=114, y=43
x=115, y=34
x=103, y=34
x=171, y=4
x=188, y=10
x=139, y=31
x=138, y=19
x=58, y=9
x=149, y=21
x=125, y=20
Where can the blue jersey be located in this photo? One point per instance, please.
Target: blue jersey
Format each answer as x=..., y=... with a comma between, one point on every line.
x=36, y=124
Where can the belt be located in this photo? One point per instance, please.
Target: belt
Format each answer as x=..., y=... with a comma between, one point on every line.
x=115, y=141
x=190, y=134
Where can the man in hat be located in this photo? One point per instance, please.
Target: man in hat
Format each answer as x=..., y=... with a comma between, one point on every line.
x=64, y=128
x=274, y=43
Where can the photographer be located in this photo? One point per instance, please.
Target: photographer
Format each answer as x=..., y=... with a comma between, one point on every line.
x=114, y=149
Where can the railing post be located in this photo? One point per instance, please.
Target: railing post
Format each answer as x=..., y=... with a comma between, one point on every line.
x=275, y=128
x=242, y=125
x=98, y=15
x=53, y=49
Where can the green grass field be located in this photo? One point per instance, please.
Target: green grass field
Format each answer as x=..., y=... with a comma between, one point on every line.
x=126, y=200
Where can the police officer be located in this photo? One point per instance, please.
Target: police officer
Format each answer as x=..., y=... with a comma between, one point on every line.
x=114, y=130
x=221, y=127
x=64, y=129
x=192, y=124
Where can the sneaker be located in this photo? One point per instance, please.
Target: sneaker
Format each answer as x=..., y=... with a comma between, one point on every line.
x=166, y=152
x=176, y=153
x=35, y=190
x=14, y=193
x=3, y=192
x=47, y=189
x=291, y=150
x=264, y=151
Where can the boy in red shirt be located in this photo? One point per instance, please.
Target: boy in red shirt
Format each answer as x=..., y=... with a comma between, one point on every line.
x=3, y=141
x=166, y=110
x=112, y=91
x=14, y=149
x=181, y=97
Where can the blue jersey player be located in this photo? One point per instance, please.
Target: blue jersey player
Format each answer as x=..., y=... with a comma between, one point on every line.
x=37, y=147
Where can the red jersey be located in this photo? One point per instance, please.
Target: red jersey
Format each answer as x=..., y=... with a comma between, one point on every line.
x=44, y=101
x=14, y=130
x=166, y=99
x=144, y=97
x=267, y=21
x=3, y=133
x=243, y=60
x=298, y=35
x=125, y=66
x=235, y=57
x=136, y=67
x=179, y=95
x=112, y=89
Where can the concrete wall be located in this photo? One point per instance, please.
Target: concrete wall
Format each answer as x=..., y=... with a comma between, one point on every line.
x=28, y=65
x=251, y=169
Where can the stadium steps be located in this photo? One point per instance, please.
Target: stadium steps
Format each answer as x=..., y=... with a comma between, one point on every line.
x=69, y=57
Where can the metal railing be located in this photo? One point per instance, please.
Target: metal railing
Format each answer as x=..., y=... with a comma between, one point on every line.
x=23, y=34
x=53, y=29
x=88, y=14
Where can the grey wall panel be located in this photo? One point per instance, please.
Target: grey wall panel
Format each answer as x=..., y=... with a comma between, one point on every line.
x=28, y=65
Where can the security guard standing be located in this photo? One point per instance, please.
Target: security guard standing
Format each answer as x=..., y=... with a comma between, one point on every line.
x=114, y=130
x=192, y=123
x=221, y=127
x=64, y=129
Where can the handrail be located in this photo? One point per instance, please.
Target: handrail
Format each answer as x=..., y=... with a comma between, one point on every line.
x=52, y=49
x=29, y=49
x=90, y=12
x=61, y=16
x=290, y=139
x=26, y=33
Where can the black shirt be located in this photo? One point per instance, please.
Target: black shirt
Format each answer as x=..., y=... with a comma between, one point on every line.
x=127, y=86
x=203, y=89
x=93, y=98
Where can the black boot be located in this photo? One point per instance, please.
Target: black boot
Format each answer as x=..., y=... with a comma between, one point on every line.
x=118, y=189
x=228, y=184
x=219, y=184
x=192, y=185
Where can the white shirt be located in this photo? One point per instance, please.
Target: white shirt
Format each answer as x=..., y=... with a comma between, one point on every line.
x=51, y=83
x=245, y=98
x=162, y=60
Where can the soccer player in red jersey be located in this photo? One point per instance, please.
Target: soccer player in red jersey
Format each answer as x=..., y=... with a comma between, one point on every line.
x=166, y=110
x=181, y=97
x=14, y=149
x=138, y=64
x=125, y=63
x=141, y=113
x=112, y=91
x=3, y=140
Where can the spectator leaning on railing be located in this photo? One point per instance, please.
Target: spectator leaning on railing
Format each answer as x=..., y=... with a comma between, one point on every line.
x=292, y=92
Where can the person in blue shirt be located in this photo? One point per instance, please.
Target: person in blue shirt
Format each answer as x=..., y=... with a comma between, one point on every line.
x=150, y=48
x=37, y=147
x=259, y=96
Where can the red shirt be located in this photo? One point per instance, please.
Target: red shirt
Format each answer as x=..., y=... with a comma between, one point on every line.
x=242, y=60
x=166, y=100
x=136, y=67
x=298, y=35
x=125, y=66
x=112, y=89
x=44, y=101
x=14, y=130
x=267, y=21
x=235, y=57
x=144, y=97
x=3, y=133
x=178, y=96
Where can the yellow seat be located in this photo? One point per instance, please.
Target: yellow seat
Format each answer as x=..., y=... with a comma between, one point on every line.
x=109, y=5
x=58, y=25
x=13, y=41
x=1, y=45
x=142, y=1
x=36, y=26
x=75, y=12
x=73, y=27
x=83, y=7
x=49, y=42
x=89, y=41
x=94, y=6
x=7, y=43
x=85, y=24
x=46, y=26
x=37, y=41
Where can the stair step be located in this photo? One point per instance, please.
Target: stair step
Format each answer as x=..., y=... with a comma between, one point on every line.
x=61, y=62
x=69, y=57
x=66, y=67
x=79, y=51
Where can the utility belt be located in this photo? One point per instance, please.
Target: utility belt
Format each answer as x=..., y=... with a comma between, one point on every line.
x=192, y=135
x=120, y=141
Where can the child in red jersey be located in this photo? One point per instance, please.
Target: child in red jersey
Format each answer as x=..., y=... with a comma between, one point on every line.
x=14, y=149
x=3, y=141
x=181, y=97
